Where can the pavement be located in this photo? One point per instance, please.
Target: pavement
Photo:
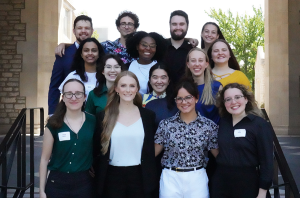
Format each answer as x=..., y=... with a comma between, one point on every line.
x=290, y=146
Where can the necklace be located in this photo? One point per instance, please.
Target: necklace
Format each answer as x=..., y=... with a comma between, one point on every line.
x=71, y=127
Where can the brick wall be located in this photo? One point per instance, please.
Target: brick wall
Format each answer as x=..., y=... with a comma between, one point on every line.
x=11, y=32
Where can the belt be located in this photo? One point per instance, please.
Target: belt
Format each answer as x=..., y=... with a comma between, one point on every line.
x=183, y=169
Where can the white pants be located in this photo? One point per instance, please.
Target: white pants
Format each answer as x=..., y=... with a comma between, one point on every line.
x=193, y=184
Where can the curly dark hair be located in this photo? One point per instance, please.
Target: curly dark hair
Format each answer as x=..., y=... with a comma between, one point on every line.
x=169, y=90
x=251, y=106
x=101, y=80
x=130, y=14
x=232, y=62
x=134, y=39
x=78, y=62
x=82, y=18
x=219, y=33
x=180, y=13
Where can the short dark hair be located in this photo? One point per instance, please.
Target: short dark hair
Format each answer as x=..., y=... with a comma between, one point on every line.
x=83, y=18
x=130, y=14
x=134, y=39
x=78, y=62
x=101, y=80
x=180, y=13
x=232, y=62
x=219, y=33
x=189, y=85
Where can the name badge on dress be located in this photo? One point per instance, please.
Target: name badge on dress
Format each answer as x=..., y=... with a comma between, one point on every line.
x=63, y=136
x=240, y=133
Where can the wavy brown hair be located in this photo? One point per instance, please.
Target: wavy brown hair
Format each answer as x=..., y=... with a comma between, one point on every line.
x=112, y=109
x=207, y=97
x=251, y=106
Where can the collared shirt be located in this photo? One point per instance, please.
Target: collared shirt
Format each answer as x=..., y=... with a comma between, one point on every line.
x=115, y=47
x=152, y=96
x=73, y=152
x=175, y=59
x=184, y=144
x=77, y=45
x=253, y=149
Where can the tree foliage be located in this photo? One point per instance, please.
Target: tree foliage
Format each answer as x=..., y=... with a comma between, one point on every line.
x=244, y=34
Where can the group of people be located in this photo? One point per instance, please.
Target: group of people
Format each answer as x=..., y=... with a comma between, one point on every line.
x=146, y=116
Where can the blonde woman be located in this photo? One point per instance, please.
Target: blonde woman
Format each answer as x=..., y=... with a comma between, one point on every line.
x=198, y=68
x=123, y=143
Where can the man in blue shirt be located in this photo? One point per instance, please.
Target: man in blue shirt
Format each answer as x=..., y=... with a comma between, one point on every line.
x=83, y=28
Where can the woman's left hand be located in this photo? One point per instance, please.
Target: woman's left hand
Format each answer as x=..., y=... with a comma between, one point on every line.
x=262, y=193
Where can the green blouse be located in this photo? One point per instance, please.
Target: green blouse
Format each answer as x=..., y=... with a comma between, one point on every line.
x=94, y=103
x=73, y=152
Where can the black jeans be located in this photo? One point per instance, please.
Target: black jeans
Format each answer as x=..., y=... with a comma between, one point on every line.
x=124, y=182
x=70, y=185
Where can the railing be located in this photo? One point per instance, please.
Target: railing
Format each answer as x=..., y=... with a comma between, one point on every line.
x=15, y=142
x=291, y=190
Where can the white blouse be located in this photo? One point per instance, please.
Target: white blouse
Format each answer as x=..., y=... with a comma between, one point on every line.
x=126, y=144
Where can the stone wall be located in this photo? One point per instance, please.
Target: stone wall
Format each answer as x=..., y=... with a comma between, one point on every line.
x=12, y=31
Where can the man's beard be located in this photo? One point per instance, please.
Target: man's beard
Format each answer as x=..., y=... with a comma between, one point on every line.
x=178, y=37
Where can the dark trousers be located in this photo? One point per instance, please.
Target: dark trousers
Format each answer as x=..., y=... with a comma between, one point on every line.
x=124, y=182
x=234, y=182
x=70, y=185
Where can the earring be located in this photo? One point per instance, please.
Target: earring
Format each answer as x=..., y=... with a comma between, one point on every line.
x=118, y=93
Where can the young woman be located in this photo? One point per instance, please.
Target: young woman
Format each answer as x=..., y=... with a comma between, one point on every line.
x=198, y=68
x=68, y=144
x=123, y=143
x=110, y=66
x=148, y=48
x=184, y=137
x=245, y=160
x=210, y=32
x=225, y=67
x=86, y=59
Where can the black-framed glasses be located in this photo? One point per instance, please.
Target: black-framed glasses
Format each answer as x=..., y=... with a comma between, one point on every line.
x=123, y=25
x=109, y=67
x=180, y=100
x=77, y=95
x=145, y=45
x=235, y=98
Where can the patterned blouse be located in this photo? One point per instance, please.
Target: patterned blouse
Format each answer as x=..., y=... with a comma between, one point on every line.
x=184, y=144
x=116, y=47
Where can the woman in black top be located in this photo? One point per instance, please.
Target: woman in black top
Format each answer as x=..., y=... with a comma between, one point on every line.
x=245, y=160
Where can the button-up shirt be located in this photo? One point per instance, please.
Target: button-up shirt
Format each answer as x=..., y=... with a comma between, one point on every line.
x=252, y=149
x=115, y=47
x=184, y=144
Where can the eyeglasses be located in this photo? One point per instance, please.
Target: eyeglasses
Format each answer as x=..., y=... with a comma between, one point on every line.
x=109, y=67
x=77, y=95
x=123, y=25
x=180, y=100
x=235, y=98
x=145, y=45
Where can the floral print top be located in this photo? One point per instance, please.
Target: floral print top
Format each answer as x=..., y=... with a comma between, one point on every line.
x=116, y=47
x=184, y=144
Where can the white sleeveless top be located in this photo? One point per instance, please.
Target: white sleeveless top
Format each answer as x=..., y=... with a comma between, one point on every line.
x=126, y=144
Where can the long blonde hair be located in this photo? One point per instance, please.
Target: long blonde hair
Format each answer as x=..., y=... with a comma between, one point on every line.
x=112, y=109
x=207, y=97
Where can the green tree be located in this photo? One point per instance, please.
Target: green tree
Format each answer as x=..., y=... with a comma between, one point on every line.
x=244, y=34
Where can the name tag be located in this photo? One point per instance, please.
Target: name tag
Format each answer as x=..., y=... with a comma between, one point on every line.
x=240, y=133
x=64, y=136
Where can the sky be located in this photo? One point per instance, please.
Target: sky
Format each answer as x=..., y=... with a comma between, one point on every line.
x=154, y=15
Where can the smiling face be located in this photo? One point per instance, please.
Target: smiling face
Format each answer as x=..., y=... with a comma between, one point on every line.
x=73, y=103
x=146, y=49
x=197, y=63
x=127, y=88
x=83, y=30
x=111, y=70
x=236, y=106
x=220, y=53
x=188, y=105
x=159, y=81
x=210, y=33
x=90, y=53
x=126, y=26
x=178, y=27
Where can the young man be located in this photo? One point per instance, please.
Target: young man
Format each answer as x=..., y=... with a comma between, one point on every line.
x=83, y=28
x=178, y=46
